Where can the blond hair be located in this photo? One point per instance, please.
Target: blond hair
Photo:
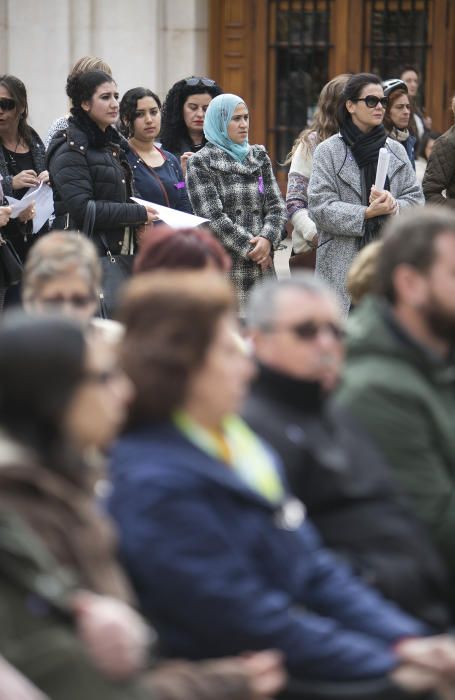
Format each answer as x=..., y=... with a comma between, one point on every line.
x=362, y=273
x=87, y=63
x=56, y=254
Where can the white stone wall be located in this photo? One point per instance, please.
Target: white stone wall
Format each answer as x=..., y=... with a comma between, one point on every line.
x=146, y=42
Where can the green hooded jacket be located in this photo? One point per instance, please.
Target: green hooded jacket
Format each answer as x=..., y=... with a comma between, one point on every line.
x=405, y=397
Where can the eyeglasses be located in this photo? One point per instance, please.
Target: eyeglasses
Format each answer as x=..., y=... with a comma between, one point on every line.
x=101, y=377
x=208, y=82
x=79, y=301
x=372, y=101
x=309, y=330
x=7, y=104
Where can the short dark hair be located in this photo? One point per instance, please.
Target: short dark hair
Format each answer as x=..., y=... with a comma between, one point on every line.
x=407, y=67
x=128, y=107
x=170, y=321
x=409, y=240
x=81, y=87
x=192, y=248
x=423, y=143
x=352, y=90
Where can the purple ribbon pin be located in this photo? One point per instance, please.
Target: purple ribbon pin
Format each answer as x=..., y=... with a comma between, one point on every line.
x=261, y=184
x=179, y=185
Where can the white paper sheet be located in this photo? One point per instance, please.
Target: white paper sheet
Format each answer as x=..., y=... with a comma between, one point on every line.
x=173, y=217
x=44, y=204
x=381, y=171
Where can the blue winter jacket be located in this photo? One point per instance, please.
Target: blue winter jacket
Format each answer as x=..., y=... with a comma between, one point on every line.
x=220, y=570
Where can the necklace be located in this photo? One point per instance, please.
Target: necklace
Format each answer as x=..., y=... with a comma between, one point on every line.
x=11, y=154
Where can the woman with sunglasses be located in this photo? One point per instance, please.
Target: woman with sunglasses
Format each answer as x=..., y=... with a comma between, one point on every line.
x=22, y=163
x=157, y=173
x=232, y=184
x=347, y=209
x=183, y=115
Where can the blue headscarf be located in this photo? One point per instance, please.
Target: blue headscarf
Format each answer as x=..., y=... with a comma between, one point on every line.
x=217, y=118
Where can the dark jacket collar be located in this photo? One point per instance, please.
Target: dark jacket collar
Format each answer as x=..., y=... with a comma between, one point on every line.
x=304, y=396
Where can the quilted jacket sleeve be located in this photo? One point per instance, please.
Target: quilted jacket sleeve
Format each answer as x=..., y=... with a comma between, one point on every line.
x=71, y=178
x=206, y=202
x=440, y=172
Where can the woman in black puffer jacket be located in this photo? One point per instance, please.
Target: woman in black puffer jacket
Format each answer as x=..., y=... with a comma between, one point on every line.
x=87, y=162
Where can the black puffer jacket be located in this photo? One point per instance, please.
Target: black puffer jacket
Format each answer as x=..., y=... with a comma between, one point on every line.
x=86, y=163
x=345, y=484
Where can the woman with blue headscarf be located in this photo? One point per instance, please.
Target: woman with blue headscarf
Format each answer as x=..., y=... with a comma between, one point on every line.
x=232, y=184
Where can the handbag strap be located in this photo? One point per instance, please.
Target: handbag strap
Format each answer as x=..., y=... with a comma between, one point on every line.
x=89, y=218
x=155, y=175
x=89, y=225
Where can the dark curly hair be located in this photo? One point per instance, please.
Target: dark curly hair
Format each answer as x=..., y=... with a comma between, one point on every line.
x=173, y=127
x=16, y=89
x=128, y=108
x=82, y=87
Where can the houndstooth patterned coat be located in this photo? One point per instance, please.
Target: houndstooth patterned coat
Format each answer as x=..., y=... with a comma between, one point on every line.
x=241, y=200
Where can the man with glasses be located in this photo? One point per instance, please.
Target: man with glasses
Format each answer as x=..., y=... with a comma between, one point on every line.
x=297, y=331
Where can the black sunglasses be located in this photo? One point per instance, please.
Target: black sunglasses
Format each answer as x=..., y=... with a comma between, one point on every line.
x=208, y=82
x=79, y=301
x=372, y=101
x=309, y=330
x=7, y=104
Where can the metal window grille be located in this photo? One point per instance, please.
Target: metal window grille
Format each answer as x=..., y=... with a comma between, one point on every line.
x=397, y=34
x=299, y=46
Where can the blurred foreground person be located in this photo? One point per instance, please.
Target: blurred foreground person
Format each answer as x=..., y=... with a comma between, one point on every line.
x=65, y=619
x=362, y=273
x=220, y=555
x=331, y=465
x=400, y=375
x=179, y=249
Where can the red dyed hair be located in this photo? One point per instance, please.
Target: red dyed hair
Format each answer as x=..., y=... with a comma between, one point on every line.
x=194, y=248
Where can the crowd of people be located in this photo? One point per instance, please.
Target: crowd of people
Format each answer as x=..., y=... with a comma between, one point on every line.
x=239, y=486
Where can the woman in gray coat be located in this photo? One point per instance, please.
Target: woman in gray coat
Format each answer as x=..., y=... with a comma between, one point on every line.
x=232, y=184
x=343, y=202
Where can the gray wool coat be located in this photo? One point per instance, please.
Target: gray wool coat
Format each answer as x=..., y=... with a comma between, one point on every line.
x=241, y=200
x=335, y=205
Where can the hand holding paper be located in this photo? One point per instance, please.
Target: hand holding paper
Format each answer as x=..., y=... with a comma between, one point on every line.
x=173, y=217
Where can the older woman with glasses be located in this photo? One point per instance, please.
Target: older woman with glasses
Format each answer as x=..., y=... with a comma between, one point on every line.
x=183, y=115
x=347, y=209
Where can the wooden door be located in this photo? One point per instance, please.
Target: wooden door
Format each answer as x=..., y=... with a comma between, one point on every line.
x=278, y=54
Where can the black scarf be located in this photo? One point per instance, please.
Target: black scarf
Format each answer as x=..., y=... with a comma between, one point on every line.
x=365, y=149
x=96, y=137
x=100, y=139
